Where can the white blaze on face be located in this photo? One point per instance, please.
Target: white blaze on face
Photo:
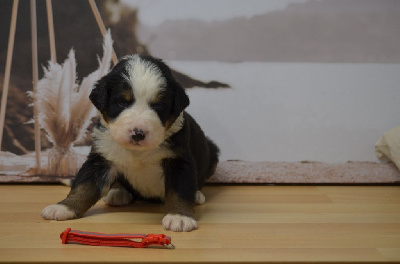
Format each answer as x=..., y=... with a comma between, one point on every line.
x=147, y=82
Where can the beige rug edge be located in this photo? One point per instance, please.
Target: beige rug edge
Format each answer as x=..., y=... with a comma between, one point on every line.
x=276, y=173
x=306, y=172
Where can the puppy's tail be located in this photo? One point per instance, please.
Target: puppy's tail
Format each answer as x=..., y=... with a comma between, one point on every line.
x=214, y=157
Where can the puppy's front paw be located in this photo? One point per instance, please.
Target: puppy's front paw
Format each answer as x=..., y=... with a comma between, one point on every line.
x=179, y=223
x=57, y=212
x=117, y=197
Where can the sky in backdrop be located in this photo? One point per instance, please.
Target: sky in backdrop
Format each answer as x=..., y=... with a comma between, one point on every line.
x=155, y=12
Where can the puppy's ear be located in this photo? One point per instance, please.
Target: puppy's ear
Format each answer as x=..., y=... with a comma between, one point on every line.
x=99, y=95
x=181, y=100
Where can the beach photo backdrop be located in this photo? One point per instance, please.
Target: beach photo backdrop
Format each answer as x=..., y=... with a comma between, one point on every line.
x=268, y=80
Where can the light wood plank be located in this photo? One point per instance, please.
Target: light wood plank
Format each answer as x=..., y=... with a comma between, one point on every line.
x=123, y=255
x=237, y=224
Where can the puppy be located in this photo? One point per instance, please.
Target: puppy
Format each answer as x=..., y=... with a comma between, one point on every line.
x=145, y=145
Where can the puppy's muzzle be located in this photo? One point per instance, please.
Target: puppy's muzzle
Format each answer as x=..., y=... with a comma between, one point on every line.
x=138, y=135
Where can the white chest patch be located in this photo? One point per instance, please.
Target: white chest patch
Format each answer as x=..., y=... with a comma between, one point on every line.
x=141, y=168
x=146, y=177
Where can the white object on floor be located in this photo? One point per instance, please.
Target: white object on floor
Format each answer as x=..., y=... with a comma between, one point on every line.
x=388, y=146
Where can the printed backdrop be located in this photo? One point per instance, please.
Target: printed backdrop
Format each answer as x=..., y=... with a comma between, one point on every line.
x=269, y=80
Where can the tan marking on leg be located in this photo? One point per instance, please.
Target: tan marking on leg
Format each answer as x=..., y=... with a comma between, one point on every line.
x=176, y=205
x=81, y=198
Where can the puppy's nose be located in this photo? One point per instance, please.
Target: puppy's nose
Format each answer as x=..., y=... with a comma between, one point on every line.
x=137, y=135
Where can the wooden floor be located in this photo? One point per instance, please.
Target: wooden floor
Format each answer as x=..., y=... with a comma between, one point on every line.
x=237, y=224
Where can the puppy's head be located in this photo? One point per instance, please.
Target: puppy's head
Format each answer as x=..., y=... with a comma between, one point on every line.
x=139, y=100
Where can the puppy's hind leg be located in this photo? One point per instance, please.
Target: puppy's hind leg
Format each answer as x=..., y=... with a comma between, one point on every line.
x=200, y=199
x=118, y=195
x=90, y=184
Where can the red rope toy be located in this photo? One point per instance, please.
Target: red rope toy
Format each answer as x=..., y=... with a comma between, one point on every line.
x=114, y=240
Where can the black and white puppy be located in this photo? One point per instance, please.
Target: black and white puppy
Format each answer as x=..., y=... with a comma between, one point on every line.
x=145, y=145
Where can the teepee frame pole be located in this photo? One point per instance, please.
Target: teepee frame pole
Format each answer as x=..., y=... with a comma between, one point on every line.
x=100, y=23
x=35, y=77
x=6, y=81
x=50, y=23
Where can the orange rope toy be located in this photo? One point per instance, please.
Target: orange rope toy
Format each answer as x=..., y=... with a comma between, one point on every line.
x=115, y=240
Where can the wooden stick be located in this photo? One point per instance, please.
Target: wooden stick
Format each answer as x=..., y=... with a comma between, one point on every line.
x=35, y=77
x=7, y=73
x=50, y=23
x=100, y=23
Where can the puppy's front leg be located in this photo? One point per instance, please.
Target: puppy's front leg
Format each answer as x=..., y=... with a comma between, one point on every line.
x=91, y=182
x=180, y=187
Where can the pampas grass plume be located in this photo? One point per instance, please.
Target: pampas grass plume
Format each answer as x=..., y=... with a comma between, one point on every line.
x=63, y=105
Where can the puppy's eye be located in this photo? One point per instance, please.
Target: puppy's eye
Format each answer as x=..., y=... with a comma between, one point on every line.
x=157, y=106
x=123, y=103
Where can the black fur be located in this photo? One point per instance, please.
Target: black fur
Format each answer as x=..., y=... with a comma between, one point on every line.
x=107, y=95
